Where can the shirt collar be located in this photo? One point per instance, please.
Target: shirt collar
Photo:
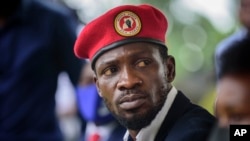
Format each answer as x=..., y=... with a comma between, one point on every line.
x=149, y=132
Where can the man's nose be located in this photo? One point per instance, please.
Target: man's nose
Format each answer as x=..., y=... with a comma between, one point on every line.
x=128, y=79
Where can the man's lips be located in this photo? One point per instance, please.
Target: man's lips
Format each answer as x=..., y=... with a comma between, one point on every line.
x=132, y=101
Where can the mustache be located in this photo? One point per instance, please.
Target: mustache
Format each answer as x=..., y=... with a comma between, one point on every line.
x=131, y=94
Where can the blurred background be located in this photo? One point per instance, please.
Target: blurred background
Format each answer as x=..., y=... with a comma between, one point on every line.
x=195, y=28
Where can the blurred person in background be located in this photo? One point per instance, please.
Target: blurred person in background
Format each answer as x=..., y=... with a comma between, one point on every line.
x=133, y=73
x=233, y=91
x=244, y=19
x=243, y=16
x=101, y=125
x=36, y=44
x=232, y=68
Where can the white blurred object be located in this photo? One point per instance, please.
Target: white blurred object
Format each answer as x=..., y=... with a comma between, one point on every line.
x=66, y=109
x=218, y=12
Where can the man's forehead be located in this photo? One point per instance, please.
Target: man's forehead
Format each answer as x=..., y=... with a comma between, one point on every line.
x=128, y=51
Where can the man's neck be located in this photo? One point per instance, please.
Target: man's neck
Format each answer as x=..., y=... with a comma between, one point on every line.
x=133, y=134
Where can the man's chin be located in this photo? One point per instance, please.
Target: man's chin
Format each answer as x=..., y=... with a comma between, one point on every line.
x=138, y=121
x=135, y=123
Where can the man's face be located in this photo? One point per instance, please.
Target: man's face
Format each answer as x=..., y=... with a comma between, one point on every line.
x=233, y=101
x=244, y=13
x=134, y=82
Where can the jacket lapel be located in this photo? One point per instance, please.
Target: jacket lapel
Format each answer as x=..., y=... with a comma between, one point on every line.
x=178, y=108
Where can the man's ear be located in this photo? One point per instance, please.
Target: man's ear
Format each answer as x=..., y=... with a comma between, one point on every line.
x=170, y=65
x=97, y=85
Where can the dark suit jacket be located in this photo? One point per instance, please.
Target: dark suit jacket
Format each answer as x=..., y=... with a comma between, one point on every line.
x=118, y=133
x=185, y=122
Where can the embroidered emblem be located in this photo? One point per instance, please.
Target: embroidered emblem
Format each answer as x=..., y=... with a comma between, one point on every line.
x=127, y=23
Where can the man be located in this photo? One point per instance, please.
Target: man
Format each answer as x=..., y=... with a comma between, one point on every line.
x=36, y=44
x=233, y=91
x=244, y=19
x=231, y=65
x=133, y=74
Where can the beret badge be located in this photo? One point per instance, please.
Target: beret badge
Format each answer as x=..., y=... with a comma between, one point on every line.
x=127, y=24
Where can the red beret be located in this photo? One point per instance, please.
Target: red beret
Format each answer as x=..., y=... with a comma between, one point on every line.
x=121, y=25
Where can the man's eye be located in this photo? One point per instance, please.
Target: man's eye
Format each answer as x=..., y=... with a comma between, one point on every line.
x=110, y=71
x=143, y=63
